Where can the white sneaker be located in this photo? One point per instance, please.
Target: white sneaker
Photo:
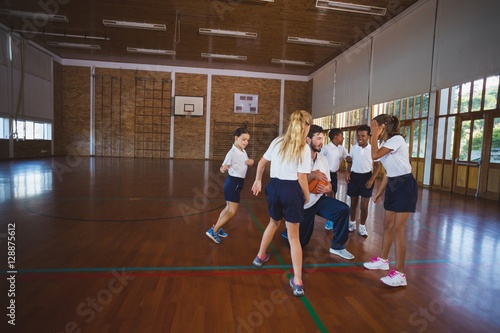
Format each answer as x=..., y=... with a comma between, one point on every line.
x=362, y=230
x=394, y=279
x=342, y=253
x=377, y=263
x=352, y=226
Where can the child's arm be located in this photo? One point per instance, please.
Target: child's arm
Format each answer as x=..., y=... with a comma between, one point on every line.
x=257, y=184
x=377, y=130
x=304, y=185
x=378, y=167
x=381, y=190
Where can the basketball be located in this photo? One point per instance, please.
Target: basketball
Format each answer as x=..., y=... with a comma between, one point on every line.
x=313, y=185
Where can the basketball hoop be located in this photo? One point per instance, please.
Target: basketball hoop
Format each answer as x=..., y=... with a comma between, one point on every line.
x=188, y=113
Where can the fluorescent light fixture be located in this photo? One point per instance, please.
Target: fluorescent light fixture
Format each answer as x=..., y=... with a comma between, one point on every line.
x=223, y=56
x=350, y=7
x=57, y=34
x=74, y=45
x=39, y=16
x=150, y=51
x=309, y=41
x=227, y=33
x=134, y=25
x=292, y=62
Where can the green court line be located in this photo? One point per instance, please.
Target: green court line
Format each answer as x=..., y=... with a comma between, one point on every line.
x=305, y=301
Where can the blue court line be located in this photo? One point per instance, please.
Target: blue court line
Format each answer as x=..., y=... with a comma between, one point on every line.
x=217, y=268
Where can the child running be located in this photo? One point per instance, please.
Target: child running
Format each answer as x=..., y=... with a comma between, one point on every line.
x=236, y=164
x=287, y=190
x=401, y=193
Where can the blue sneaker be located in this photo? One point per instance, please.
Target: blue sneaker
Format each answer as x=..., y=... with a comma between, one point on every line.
x=329, y=225
x=297, y=290
x=258, y=262
x=215, y=237
x=222, y=233
x=284, y=234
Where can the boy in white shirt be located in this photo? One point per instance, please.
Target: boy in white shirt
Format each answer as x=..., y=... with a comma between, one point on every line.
x=360, y=178
x=335, y=153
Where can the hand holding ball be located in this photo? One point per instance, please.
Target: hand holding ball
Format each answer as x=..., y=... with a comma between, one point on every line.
x=313, y=185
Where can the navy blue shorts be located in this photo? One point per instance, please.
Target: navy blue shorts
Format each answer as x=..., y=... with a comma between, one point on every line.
x=285, y=199
x=333, y=181
x=232, y=188
x=357, y=185
x=401, y=194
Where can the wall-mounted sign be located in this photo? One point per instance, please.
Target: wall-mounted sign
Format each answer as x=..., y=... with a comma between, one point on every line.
x=245, y=103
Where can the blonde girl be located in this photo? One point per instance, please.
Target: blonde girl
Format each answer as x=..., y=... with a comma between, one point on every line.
x=287, y=190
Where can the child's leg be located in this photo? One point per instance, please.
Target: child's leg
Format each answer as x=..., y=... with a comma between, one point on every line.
x=388, y=236
x=226, y=215
x=268, y=235
x=399, y=240
x=363, y=210
x=354, y=207
x=295, y=250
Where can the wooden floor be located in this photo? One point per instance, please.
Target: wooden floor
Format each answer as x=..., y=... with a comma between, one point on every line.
x=119, y=245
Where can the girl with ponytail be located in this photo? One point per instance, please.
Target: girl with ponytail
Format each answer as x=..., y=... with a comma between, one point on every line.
x=287, y=191
x=400, y=194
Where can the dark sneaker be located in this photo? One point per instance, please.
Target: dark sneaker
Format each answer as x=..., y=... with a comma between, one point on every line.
x=258, y=262
x=297, y=290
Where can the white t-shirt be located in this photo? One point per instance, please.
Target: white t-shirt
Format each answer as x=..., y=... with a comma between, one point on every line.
x=334, y=154
x=236, y=159
x=321, y=164
x=397, y=162
x=288, y=170
x=361, y=159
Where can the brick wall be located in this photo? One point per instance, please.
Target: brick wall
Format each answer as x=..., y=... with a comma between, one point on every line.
x=222, y=110
x=189, y=132
x=58, y=125
x=296, y=98
x=130, y=124
x=76, y=110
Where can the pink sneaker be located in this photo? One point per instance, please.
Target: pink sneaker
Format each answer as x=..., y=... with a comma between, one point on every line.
x=377, y=263
x=394, y=279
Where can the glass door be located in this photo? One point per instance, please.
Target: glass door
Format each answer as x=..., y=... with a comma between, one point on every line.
x=490, y=168
x=468, y=154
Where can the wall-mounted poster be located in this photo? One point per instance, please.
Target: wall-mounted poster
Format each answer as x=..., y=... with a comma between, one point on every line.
x=245, y=103
x=188, y=106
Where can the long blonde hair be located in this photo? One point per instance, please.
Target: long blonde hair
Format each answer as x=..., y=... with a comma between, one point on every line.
x=294, y=140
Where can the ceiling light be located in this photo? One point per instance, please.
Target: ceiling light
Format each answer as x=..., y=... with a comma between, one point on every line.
x=39, y=16
x=309, y=41
x=227, y=33
x=74, y=45
x=350, y=7
x=150, y=51
x=223, y=56
x=292, y=62
x=57, y=34
x=134, y=25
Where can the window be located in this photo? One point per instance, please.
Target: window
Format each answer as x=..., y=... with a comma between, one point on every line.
x=26, y=130
x=4, y=128
x=491, y=93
